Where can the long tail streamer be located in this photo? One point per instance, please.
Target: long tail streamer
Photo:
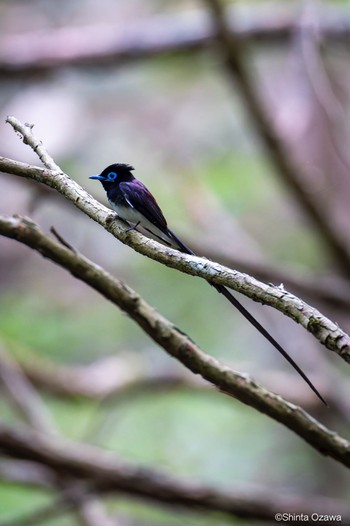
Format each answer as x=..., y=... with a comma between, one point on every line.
x=223, y=290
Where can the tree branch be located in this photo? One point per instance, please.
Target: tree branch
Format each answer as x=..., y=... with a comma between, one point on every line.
x=177, y=344
x=323, y=329
x=115, y=378
x=110, y=378
x=333, y=291
x=105, y=473
x=280, y=157
x=41, y=53
x=23, y=395
x=330, y=290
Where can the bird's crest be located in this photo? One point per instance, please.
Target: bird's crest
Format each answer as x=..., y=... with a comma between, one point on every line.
x=124, y=166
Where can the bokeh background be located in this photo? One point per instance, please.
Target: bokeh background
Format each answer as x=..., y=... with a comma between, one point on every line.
x=177, y=118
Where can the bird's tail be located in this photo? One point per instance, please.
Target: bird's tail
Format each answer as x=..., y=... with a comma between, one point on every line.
x=181, y=246
x=223, y=290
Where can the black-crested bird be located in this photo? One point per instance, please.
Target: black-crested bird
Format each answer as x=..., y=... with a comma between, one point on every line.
x=135, y=204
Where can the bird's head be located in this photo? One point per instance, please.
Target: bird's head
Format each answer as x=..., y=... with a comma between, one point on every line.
x=114, y=174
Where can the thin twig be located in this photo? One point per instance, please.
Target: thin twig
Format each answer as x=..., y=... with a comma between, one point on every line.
x=61, y=239
x=25, y=472
x=22, y=394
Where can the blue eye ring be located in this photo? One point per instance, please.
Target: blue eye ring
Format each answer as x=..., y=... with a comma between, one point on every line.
x=111, y=176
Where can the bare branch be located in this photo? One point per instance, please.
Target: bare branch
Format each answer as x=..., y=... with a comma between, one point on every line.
x=40, y=53
x=280, y=157
x=22, y=394
x=108, y=378
x=323, y=329
x=177, y=344
x=27, y=473
x=60, y=239
x=115, y=378
x=106, y=473
x=331, y=290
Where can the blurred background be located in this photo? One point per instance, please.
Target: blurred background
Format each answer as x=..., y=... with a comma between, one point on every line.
x=146, y=83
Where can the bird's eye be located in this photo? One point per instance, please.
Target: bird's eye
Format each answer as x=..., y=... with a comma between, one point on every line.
x=111, y=176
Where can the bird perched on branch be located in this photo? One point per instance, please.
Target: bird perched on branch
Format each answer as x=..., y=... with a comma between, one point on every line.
x=135, y=204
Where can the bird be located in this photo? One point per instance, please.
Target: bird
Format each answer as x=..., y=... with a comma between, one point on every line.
x=135, y=204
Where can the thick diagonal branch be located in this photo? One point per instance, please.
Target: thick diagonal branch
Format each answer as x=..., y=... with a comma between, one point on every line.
x=178, y=344
x=323, y=329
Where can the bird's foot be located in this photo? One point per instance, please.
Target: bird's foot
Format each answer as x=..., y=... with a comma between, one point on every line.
x=132, y=227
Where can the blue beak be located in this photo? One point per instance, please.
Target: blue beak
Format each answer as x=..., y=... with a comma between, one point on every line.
x=99, y=177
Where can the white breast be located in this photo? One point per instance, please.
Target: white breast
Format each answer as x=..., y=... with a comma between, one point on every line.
x=133, y=217
x=127, y=213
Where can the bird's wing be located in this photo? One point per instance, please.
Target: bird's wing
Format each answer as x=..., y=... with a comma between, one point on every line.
x=142, y=201
x=138, y=197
